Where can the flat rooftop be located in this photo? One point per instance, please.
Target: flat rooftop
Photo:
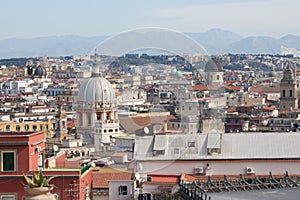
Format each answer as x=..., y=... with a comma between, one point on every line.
x=17, y=133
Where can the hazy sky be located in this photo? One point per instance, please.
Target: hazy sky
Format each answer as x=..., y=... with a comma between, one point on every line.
x=34, y=18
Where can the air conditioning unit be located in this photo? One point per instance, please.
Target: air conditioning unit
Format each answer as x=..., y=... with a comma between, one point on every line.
x=250, y=170
x=199, y=170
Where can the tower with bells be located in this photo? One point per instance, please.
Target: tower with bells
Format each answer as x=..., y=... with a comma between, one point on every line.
x=61, y=130
x=288, y=90
x=97, y=112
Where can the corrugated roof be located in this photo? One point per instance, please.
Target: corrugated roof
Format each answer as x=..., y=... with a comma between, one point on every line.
x=160, y=142
x=233, y=146
x=214, y=140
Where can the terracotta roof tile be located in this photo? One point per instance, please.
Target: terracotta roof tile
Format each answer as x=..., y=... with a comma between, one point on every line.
x=269, y=108
x=186, y=177
x=198, y=88
x=164, y=178
x=258, y=90
x=100, y=179
x=234, y=88
x=231, y=109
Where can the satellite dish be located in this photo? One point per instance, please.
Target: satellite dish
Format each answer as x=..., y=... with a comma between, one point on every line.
x=146, y=130
x=55, y=147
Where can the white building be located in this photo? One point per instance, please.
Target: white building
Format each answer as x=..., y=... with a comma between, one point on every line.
x=218, y=154
x=97, y=113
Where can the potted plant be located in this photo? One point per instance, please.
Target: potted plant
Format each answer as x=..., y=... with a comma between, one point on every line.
x=38, y=187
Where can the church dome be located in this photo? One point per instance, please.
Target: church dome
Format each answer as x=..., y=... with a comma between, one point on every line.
x=96, y=90
x=213, y=66
x=40, y=71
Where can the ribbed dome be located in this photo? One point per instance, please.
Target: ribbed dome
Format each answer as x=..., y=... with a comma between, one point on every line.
x=96, y=90
x=213, y=66
x=40, y=71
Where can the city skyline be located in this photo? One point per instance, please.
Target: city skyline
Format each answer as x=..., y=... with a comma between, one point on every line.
x=33, y=18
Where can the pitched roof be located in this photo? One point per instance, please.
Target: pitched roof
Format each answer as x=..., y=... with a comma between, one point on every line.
x=134, y=123
x=100, y=179
x=198, y=88
x=233, y=88
x=258, y=90
x=269, y=108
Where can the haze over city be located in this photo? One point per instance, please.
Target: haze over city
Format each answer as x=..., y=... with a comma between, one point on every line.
x=33, y=18
x=149, y=100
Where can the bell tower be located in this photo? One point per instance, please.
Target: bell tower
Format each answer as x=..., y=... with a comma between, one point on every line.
x=288, y=90
x=61, y=123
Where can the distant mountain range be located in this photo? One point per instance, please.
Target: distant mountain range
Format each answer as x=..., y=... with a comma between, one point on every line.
x=215, y=41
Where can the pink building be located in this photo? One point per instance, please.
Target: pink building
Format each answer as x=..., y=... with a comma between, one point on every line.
x=23, y=153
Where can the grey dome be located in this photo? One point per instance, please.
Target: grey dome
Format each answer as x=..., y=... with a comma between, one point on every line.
x=40, y=71
x=213, y=66
x=96, y=90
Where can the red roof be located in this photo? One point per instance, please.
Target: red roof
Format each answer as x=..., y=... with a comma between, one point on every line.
x=186, y=177
x=258, y=90
x=269, y=108
x=100, y=179
x=27, y=93
x=197, y=88
x=231, y=109
x=234, y=88
x=163, y=179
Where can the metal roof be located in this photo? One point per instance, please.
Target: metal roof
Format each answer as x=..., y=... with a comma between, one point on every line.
x=233, y=146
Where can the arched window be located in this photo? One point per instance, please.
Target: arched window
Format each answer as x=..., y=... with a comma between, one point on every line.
x=26, y=127
x=7, y=127
x=18, y=128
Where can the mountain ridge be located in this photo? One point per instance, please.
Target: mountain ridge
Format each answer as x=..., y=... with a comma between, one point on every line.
x=215, y=41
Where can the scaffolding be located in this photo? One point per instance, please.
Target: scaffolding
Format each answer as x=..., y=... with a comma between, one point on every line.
x=199, y=188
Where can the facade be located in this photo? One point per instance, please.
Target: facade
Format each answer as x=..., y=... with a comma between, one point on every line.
x=120, y=189
x=288, y=90
x=112, y=183
x=23, y=153
x=209, y=154
x=21, y=126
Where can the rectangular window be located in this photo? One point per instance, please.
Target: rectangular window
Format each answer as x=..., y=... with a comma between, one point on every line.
x=8, y=197
x=236, y=120
x=191, y=144
x=123, y=190
x=8, y=161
